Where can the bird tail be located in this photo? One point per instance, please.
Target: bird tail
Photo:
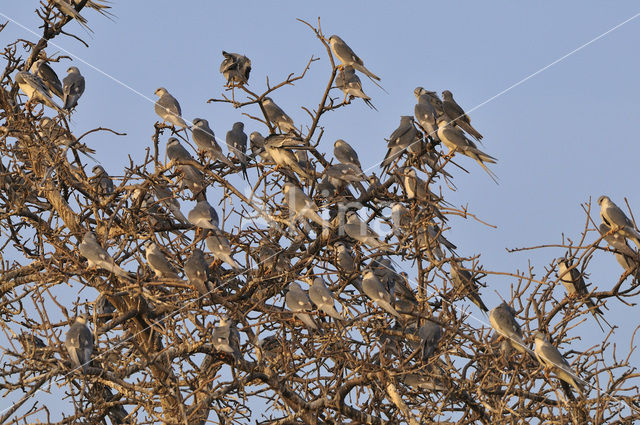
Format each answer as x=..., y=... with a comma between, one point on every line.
x=307, y=320
x=388, y=307
x=370, y=105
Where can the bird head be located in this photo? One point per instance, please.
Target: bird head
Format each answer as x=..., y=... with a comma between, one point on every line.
x=82, y=319
x=160, y=91
x=603, y=198
x=172, y=142
x=73, y=69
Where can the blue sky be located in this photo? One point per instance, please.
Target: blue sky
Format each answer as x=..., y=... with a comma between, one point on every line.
x=564, y=136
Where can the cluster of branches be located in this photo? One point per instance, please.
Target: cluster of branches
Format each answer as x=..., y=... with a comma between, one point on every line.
x=155, y=359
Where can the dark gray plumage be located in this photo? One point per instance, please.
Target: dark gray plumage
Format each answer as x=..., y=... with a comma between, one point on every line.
x=226, y=338
x=237, y=145
x=350, y=84
x=503, y=320
x=79, y=343
x=347, y=56
x=159, y=263
x=277, y=116
x=235, y=68
x=298, y=301
x=204, y=216
x=72, y=87
x=48, y=77
x=403, y=139
x=168, y=108
x=102, y=181
x=466, y=284
x=36, y=91
x=430, y=333
x=456, y=114
x=97, y=256
x=197, y=271
x=322, y=297
x=205, y=139
x=626, y=256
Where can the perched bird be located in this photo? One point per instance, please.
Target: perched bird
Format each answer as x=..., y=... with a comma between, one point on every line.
x=235, y=68
x=345, y=154
x=176, y=152
x=616, y=219
x=426, y=114
x=626, y=256
x=344, y=260
x=31, y=345
x=549, y=356
x=97, y=256
x=400, y=218
x=322, y=298
x=204, y=216
x=50, y=130
x=342, y=174
x=104, y=308
x=373, y=288
x=503, y=320
x=237, y=145
x=72, y=87
x=36, y=91
x=191, y=176
x=361, y=232
x=97, y=5
x=300, y=204
x=102, y=181
x=79, y=343
x=433, y=98
x=166, y=198
x=69, y=10
x=456, y=115
x=226, y=338
x=280, y=148
x=159, y=263
x=168, y=108
x=404, y=138
x=350, y=84
x=48, y=76
x=272, y=259
x=197, y=271
x=454, y=139
x=348, y=58
x=257, y=143
x=219, y=246
x=298, y=301
x=415, y=187
x=277, y=116
x=206, y=141
x=430, y=333
x=466, y=284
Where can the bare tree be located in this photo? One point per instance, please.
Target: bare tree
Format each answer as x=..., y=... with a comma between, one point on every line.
x=234, y=341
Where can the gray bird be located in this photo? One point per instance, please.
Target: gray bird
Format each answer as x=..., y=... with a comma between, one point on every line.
x=344, y=260
x=235, y=68
x=237, y=145
x=280, y=148
x=48, y=76
x=373, y=288
x=204, y=216
x=386, y=274
x=454, y=139
x=277, y=116
x=168, y=108
x=403, y=138
x=350, y=84
x=197, y=271
x=219, y=246
x=434, y=100
x=361, y=232
x=298, y=301
x=346, y=154
x=626, y=256
x=206, y=141
x=72, y=87
x=36, y=91
x=104, y=308
x=400, y=218
x=300, y=204
x=166, y=198
x=426, y=115
x=616, y=219
x=176, y=152
x=415, y=187
x=466, y=284
x=258, y=148
x=503, y=320
x=226, y=338
x=342, y=174
x=321, y=296
x=67, y=9
x=31, y=345
x=159, y=263
x=102, y=181
x=97, y=256
x=272, y=259
x=191, y=176
x=456, y=114
x=549, y=356
x=348, y=58
x=430, y=333
x=79, y=343
x=430, y=238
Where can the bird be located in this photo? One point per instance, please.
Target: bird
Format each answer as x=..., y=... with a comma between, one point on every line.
x=48, y=76
x=433, y=98
x=197, y=271
x=400, y=218
x=361, y=232
x=549, y=356
x=373, y=288
x=321, y=296
x=348, y=58
x=68, y=9
x=466, y=284
x=298, y=301
x=415, y=187
x=429, y=238
x=191, y=176
x=626, y=256
x=72, y=87
x=257, y=143
x=36, y=91
x=204, y=216
x=97, y=256
x=235, y=68
x=272, y=259
x=426, y=114
x=79, y=343
x=205, y=140
x=403, y=138
x=344, y=260
x=102, y=181
x=219, y=246
x=454, y=139
x=345, y=154
x=176, y=152
x=342, y=174
x=159, y=263
x=430, y=333
x=301, y=205
x=226, y=338
x=104, y=308
x=168, y=108
x=277, y=116
x=503, y=320
x=237, y=145
x=280, y=148
x=350, y=84
x=456, y=115
x=166, y=198
x=616, y=219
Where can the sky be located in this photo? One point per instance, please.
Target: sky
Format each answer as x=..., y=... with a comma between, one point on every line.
x=564, y=133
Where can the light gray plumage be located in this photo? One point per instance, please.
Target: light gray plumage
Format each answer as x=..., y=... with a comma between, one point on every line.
x=67, y=9
x=204, y=216
x=176, y=152
x=350, y=84
x=258, y=148
x=205, y=139
x=300, y=204
x=235, y=68
x=321, y=296
x=226, y=338
x=361, y=232
x=298, y=301
x=415, y=187
x=616, y=219
x=97, y=256
x=191, y=176
x=434, y=100
x=344, y=260
x=430, y=237
x=347, y=56
x=346, y=154
x=72, y=87
x=549, y=356
x=426, y=115
x=79, y=343
x=386, y=274
x=48, y=76
x=237, y=145
x=430, y=333
x=36, y=91
x=277, y=116
x=626, y=256
x=159, y=263
x=102, y=181
x=455, y=140
x=342, y=174
x=219, y=246
x=197, y=271
x=403, y=138
x=373, y=288
x=166, y=198
x=400, y=218
x=503, y=320
x=456, y=114
x=280, y=148
x=168, y=108
x=466, y=284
